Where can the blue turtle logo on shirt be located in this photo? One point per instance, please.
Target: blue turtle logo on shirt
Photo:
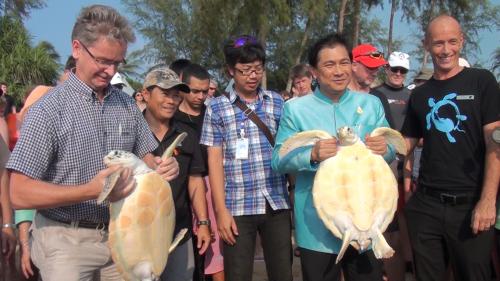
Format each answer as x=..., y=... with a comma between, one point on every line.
x=444, y=124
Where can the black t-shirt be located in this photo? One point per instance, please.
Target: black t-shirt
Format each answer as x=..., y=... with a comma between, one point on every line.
x=196, y=123
x=397, y=100
x=385, y=104
x=188, y=155
x=450, y=115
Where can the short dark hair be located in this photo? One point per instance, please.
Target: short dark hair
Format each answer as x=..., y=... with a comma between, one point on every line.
x=70, y=63
x=178, y=65
x=243, y=49
x=300, y=70
x=4, y=83
x=194, y=70
x=331, y=40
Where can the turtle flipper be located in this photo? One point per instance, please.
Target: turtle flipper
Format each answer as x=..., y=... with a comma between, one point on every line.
x=391, y=137
x=346, y=239
x=177, y=239
x=108, y=186
x=168, y=152
x=302, y=139
x=380, y=247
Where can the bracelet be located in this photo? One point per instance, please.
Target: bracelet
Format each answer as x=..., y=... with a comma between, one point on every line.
x=204, y=222
x=9, y=225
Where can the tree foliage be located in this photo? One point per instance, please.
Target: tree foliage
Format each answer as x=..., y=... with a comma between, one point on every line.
x=197, y=29
x=19, y=8
x=21, y=64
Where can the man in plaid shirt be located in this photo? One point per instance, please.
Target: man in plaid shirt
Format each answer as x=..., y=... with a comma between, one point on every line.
x=248, y=196
x=57, y=165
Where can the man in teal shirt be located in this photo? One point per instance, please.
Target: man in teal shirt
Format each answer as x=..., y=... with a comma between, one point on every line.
x=330, y=107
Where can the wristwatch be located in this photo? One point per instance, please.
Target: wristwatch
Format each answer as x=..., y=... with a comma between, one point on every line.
x=204, y=222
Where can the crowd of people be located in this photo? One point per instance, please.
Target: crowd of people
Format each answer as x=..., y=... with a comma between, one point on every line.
x=228, y=181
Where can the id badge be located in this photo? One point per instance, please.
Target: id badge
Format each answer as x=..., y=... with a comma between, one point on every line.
x=242, y=148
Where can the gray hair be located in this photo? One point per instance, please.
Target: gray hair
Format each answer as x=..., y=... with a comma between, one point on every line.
x=99, y=20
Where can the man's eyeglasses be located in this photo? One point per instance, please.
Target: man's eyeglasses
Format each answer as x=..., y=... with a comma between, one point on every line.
x=373, y=55
x=247, y=72
x=103, y=62
x=399, y=69
x=244, y=40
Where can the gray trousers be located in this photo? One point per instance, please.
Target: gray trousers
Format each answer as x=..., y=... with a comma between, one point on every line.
x=180, y=264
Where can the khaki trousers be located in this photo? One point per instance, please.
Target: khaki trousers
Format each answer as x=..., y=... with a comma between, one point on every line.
x=69, y=253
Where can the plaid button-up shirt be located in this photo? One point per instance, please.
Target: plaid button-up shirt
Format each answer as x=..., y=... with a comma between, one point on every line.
x=250, y=182
x=68, y=132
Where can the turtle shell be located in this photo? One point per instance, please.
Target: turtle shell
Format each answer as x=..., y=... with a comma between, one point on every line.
x=142, y=225
x=356, y=185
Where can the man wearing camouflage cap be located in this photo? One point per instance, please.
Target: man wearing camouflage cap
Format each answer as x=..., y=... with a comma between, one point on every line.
x=161, y=94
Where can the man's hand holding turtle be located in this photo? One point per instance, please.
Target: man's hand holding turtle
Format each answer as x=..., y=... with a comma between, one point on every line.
x=324, y=149
x=125, y=182
x=377, y=144
x=168, y=168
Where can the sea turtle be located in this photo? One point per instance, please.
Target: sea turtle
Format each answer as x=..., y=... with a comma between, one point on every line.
x=142, y=224
x=355, y=192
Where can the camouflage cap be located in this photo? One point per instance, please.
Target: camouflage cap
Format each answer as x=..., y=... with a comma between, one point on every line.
x=164, y=78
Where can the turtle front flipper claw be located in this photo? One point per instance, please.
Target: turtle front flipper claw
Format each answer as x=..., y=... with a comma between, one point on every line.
x=108, y=186
x=177, y=239
x=170, y=149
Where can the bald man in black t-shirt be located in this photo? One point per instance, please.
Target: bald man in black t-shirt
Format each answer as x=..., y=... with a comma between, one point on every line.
x=455, y=112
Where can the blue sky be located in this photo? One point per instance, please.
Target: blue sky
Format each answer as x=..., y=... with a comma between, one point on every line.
x=54, y=23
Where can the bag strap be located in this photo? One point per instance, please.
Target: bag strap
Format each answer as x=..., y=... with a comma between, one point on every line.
x=255, y=119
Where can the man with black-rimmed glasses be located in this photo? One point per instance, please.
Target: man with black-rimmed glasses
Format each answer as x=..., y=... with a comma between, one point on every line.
x=248, y=196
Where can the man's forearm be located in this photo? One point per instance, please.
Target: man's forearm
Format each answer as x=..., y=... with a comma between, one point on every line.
x=491, y=164
x=196, y=189
x=6, y=210
x=216, y=177
x=27, y=193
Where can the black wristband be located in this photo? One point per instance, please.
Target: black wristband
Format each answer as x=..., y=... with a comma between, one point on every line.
x=204, y=222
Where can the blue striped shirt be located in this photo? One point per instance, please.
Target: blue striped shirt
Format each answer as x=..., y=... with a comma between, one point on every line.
x=250, y=182
x=68, y=132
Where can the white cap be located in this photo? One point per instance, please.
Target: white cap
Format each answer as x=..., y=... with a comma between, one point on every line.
x=463, y=62
x=399, y=59
x=117, y=79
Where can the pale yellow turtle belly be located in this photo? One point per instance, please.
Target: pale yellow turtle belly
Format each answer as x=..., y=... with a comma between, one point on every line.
x=142, y=225
x=355, y=194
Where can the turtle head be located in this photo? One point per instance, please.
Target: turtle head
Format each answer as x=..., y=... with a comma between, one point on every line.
x=120, y=157
x=347, y=135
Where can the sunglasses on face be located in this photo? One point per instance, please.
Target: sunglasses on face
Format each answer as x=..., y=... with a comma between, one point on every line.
x=373, y=55
x=244, y=40
x=399, y=69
